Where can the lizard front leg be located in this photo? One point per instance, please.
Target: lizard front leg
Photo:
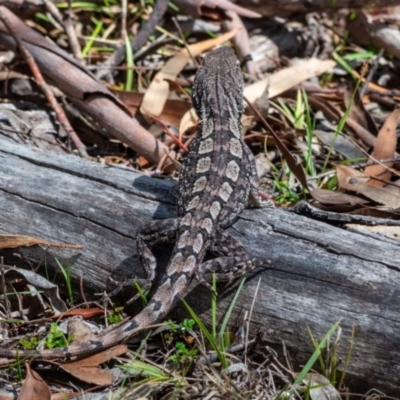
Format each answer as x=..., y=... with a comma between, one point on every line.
x=254, y=198
x=155, y=232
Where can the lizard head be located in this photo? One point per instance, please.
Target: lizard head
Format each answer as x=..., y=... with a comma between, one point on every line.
x=219, y=76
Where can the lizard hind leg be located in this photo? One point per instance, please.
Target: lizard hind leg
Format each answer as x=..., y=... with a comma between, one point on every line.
x=155, y=232
x=225, y=267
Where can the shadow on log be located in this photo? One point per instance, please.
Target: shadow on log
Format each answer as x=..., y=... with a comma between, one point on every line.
x=319, y=274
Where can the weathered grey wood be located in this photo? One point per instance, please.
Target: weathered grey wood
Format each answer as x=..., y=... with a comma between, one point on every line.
x=320, y=273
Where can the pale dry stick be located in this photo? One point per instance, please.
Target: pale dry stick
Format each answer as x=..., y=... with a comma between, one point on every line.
x=3, y=286
x=161, y=163
x=246, y=342
x=81, y=290
x=67, y=25
x=124, y=33
x=382, y=163
x=181, y=35
x=168, y=131
x=193, y=7
x=384, y=181
x=242, y=43
x=45, y=88
x=152, y=47
x=357, y=165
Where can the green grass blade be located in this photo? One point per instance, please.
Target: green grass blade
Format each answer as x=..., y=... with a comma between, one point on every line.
x=96, y=31
x=67, y=277
x=230, y=309
x=309, y=124
x=315, y=355
x=208, y=335
x=343, y=63
x=341, y=125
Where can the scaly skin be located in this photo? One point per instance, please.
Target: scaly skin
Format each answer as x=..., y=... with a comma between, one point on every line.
x=217, y=178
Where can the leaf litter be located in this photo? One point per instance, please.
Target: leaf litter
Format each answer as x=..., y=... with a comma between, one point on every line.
x=289, y=99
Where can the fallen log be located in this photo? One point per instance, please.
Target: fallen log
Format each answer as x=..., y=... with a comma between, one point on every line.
x=319, y=273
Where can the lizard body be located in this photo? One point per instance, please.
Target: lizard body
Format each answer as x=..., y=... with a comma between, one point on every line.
x=216, y=180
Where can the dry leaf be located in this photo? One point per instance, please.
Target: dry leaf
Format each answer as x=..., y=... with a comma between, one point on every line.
x=85, y=313
x=385, y=147
x=391, y=232
x=351, y=179
x=157, y=93
x=88, y=369
x=14, y=241
x=80, y=331
x=329, y=197
x=358, y=112
x=172, y=112
x=287, y=78
x=34, y=387
x=320, y=387
x=48, y=289
x=189, y=120
x=341, y=144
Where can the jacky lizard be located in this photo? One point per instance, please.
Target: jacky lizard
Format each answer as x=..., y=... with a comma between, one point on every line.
x=218, y=175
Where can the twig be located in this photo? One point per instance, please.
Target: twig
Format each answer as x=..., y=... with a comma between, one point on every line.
x=356, y=165
x=372, y=71
x=182, y=36
x=241, y=42
x=67, y=25
x=44, y=87
x=306, y=209
x=170, y=134
x=4, y=288
x=138, y=42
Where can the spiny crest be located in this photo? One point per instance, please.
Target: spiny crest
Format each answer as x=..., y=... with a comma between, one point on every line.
x=220, y=75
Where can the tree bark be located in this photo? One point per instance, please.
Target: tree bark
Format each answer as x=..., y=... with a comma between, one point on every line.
x=319, y=273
